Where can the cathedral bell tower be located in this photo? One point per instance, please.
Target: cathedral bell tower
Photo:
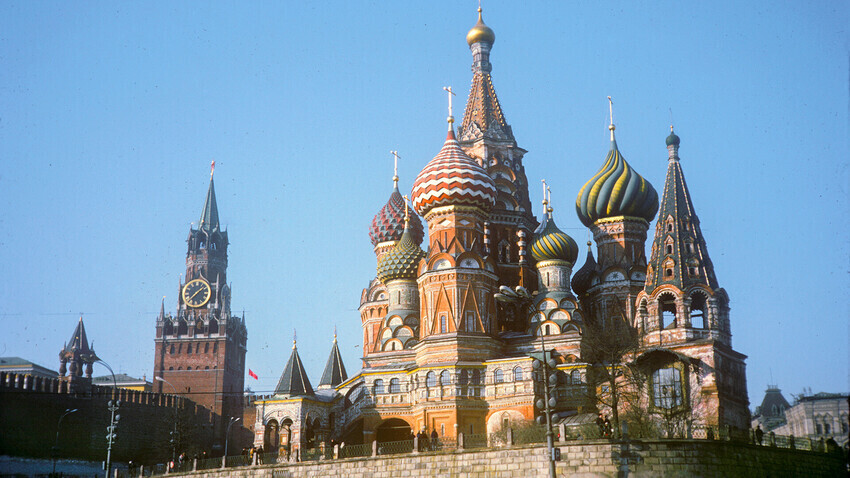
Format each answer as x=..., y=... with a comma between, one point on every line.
x=200, y=351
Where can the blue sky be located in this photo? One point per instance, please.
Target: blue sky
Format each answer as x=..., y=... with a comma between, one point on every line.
x=110, y=114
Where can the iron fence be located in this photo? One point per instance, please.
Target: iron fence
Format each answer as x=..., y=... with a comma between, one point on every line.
x=478, y=440
x=209, y=463
x=395, y=447
x=530, y=434
x=351, y=451
x=238, y=460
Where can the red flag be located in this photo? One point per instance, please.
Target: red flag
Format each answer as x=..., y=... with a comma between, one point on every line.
x=252, y=374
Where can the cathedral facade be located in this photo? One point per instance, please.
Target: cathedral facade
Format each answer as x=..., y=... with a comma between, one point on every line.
x=453, y=331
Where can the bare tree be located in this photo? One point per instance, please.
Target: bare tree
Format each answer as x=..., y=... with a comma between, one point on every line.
x=608, y=346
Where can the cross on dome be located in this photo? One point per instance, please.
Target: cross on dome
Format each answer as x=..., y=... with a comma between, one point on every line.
x=451, y=118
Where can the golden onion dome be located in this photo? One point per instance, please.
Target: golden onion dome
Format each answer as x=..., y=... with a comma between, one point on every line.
x=480, y=32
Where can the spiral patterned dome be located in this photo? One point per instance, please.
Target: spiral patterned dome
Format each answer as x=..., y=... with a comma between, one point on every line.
x=388, y=224
x=583, y=278
x=616, y=190
x=452, y=178
x=402, y=260
x=480, y=32
x=551, y=243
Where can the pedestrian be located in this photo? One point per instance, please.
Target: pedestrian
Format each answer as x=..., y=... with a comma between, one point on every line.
x=420, y=440
x=608, y=428
x=260, y=455
x=759, y=435
x=600, y=424
x=434, y=439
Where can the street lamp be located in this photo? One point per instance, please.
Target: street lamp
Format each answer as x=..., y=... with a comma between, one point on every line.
x=68, y=411
x=523, y=298
x=174, y=434
x=112, y=429
x=227, y=432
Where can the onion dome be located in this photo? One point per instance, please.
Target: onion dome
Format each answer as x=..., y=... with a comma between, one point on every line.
x=402, y=260
x=583, y=278
x=388, y=224
x=480, y=32
x=452, y=178
x=616, y=190
x=672, y=140
x=551, y=243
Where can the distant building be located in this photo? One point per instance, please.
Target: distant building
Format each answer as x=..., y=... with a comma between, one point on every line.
x=124, y=381
x=771, y=413
x=19, y=365
x=822, y=415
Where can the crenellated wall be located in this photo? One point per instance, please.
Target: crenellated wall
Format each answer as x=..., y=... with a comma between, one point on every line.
x=30, y=408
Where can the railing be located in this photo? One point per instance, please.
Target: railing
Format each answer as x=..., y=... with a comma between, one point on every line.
x=530, y=434
x=351, y=451
x=475, y=441
x=520, y=436
x=238, y=460
x=395, y=447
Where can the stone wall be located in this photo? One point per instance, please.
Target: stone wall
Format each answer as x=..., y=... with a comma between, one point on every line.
x=600, y=458
x=30, y=409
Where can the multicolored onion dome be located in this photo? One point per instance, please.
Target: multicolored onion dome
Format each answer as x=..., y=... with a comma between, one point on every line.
x=551, y=243
x=388, y=224
x=583, y=278
x=480, y=32
x=402, y=260
x=452, y=178
x=616, y=190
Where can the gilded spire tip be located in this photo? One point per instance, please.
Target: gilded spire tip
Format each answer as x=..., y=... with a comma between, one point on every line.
x=212, y=168
x=395, y=168
x=451, y=118
x=611, y=126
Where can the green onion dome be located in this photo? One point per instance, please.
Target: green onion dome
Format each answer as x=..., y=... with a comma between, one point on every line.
x=551, y=243
x=583, y=278
x=672, y=140
x=402, y=260
x=616, y=190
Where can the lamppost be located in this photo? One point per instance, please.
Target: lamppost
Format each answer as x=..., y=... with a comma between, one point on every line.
x=522, y=298
x=112, y=429
x=227, y=432
x=175, y=433
x=68, y=411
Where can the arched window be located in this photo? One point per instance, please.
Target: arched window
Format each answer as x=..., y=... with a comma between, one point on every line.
x=431, y=379
x=171, y=351
x=667, y=388
x=667, y=307
x=445, y=378
x=517, y=374
x=575, y=377
x=470, y=321
x=698, y=310
x=395, y=386
x=207, y=348
x=476, y=377
x=378, y=387
x=443, y=323
x=463, y=378
x=498, y=376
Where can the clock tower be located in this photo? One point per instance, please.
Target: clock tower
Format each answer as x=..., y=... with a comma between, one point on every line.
x=200, y=351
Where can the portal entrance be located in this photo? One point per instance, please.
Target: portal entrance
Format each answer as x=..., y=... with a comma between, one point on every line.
x=394, y=429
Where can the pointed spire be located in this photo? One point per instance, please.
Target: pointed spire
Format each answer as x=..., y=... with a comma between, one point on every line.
x=679, y=253
x=162, y=309
x=209, y=215
x=79, y=342
x=334, y=373
x=611, y=126
x=293, y=380
x=583, y=279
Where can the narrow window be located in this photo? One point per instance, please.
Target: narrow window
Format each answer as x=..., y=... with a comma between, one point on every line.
x=669, y=248
x=443, y=323
x=668, y=272
x=470, y=321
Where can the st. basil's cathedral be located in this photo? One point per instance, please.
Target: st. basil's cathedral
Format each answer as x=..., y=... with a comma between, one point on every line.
x=442, y=355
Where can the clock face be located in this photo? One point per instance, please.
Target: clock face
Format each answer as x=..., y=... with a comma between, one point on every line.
x=196, y=293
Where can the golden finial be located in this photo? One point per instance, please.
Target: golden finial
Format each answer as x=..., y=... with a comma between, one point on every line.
x=212, y=168
x=334, y=333
x=549, y=200
x=294, y=338
x=395, y=168
x=450, y=119
x=611, y=126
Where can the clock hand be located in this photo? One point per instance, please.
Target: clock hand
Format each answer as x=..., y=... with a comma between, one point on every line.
x=196, y=293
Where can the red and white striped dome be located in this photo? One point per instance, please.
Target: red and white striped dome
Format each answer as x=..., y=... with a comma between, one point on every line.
x=452, y=178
